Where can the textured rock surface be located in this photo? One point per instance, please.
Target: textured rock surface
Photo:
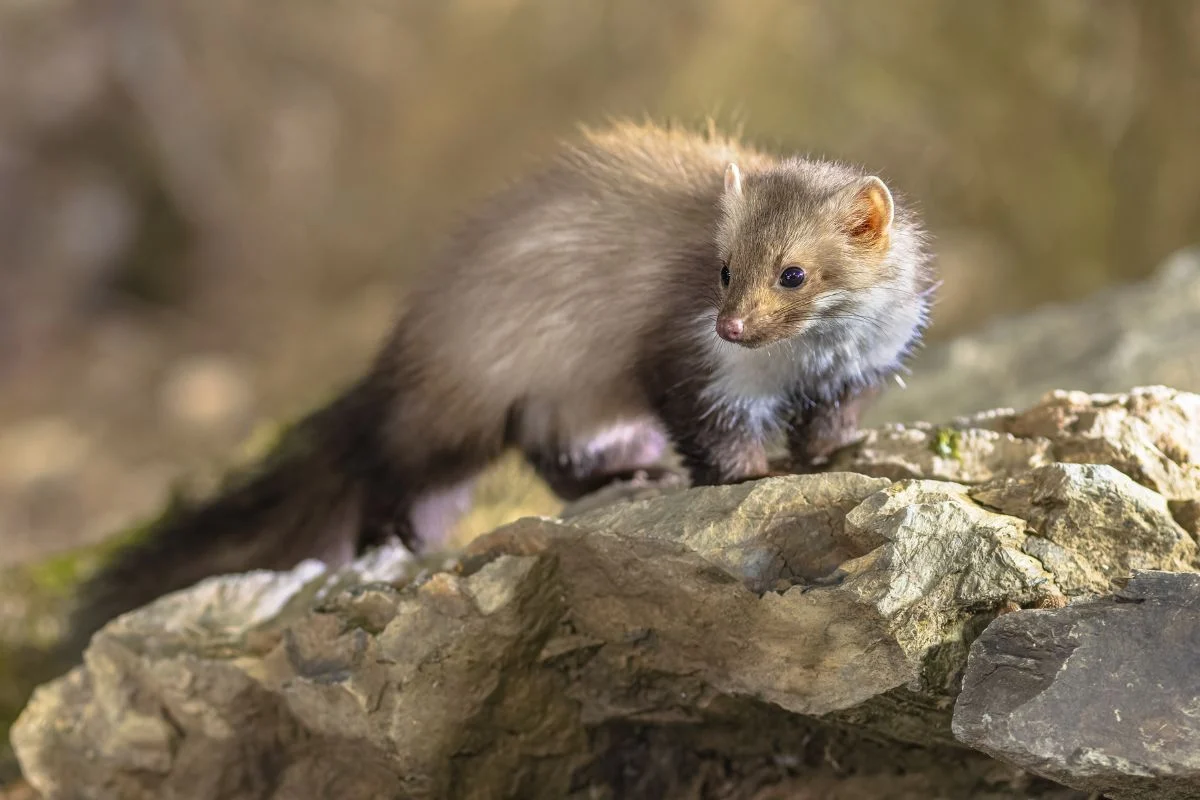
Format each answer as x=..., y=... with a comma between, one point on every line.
x=1093, y=509
x=1135, y=335
x=546, y=631
x=711, y=641
x=34, y=600
x=1152, y=434
x=1101, y=696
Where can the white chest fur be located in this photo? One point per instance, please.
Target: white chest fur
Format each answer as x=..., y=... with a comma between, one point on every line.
x=756, y=385
x=752, y=384
x=746, y=374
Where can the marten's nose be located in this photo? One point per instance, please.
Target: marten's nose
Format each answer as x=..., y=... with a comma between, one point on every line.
x=730, y=328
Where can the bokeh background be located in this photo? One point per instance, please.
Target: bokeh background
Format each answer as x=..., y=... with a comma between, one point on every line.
x=208, y=207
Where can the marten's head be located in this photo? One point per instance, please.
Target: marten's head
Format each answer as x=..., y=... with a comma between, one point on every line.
x=803, y=246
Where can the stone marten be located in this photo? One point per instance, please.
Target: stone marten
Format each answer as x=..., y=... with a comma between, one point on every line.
x=648, y=288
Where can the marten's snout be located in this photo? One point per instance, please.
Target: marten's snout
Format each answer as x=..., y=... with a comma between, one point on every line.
x=730, y=328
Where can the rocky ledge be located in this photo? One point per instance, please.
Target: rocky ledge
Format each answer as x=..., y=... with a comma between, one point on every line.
x=946, y=612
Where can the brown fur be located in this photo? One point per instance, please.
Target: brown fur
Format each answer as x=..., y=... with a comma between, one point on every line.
x=572, y=318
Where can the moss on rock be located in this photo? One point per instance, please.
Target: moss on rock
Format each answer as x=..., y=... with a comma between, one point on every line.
x=35, y=600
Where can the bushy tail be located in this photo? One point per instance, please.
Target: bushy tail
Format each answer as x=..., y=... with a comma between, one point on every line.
x=304, y=500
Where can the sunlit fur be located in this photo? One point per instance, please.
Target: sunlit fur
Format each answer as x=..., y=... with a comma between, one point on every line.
x=561, y=285
x=572, y=317
x=864, y=299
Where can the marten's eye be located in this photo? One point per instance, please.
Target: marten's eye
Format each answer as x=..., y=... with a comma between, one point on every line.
x=792, y=277
x=725, y=273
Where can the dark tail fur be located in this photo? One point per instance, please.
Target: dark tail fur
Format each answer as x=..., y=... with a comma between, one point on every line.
x=306, y=499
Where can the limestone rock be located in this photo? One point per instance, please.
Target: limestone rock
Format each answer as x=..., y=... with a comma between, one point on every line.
x=966, y=452
x=1152, y=434
x=707, y=640
x=368, y=697
x=1100, y=696
x=812, y=595
x=763, y=532
x=940, y=553
x=34, y=601
x=1187, y=514
x=1093, y=510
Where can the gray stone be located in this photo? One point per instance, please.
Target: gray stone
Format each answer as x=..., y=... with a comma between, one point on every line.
x=1101, y=696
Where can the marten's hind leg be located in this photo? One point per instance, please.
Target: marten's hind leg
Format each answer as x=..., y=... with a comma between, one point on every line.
x=628, y=451
x=422, y=504
x=422, y=518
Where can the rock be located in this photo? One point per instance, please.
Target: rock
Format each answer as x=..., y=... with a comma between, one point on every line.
x=1099, y=696
x=1095, y=510
x=547, y=632
x=750, y=530
x=1152, y=434
x=966, y=453
x=34, y=600
x=1187, y=514
x=1131, y=335
x=625, y=491
x=920, y=527
x=700, y=638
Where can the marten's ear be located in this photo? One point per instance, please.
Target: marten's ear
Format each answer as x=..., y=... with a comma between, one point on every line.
x=733, y=180
x=871, y=209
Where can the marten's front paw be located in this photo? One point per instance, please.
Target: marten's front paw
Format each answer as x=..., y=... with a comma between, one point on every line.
x=653, y=477
x=780, y=472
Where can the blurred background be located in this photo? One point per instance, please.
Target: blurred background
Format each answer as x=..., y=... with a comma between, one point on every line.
x=208, y=208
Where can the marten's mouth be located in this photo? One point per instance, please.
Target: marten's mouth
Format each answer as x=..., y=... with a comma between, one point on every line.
x=750, y=342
